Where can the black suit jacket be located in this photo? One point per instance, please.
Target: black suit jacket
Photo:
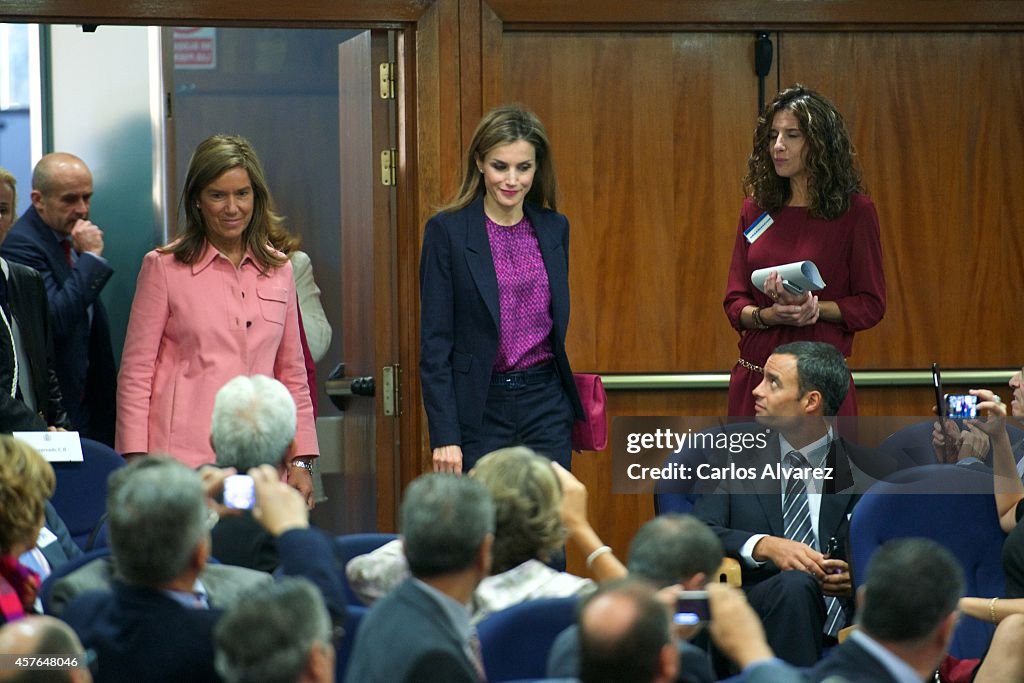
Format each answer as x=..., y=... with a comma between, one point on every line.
x=851, y=662
x=140, y=634
x=84, y=357
x=406, y=638
x=26, y=295
x=741, y=508
x=460, y=320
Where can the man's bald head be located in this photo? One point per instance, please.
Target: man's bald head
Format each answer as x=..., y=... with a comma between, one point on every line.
x=624, y=635
x=39, y=635
x=61, y=191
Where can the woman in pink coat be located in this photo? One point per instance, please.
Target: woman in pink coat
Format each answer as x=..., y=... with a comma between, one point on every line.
x=215, y=303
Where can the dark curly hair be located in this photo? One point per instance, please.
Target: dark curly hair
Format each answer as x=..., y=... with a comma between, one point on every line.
x=832, y=172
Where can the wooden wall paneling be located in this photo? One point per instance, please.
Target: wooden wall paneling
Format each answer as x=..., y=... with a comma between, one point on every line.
x=936, y=162
x=650, y=134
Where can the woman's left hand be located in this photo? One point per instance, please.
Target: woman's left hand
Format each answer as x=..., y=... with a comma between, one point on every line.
x=301, y=479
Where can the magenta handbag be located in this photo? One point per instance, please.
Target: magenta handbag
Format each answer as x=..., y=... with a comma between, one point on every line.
x=591, y=433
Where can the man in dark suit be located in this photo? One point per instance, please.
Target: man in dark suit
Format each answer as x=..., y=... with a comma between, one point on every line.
x=157, y=625
x=790, y=542
x=55, y=237
x=30, y=396
x=420, y=632
x=908, y=613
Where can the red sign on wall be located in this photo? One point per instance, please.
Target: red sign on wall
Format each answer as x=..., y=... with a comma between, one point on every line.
x=195, y=48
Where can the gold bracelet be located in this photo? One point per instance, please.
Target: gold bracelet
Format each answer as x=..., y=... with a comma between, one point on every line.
x=992, y=610
x=759, y=323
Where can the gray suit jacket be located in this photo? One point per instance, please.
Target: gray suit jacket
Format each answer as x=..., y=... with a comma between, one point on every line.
x=223, y=583
x=406, y=638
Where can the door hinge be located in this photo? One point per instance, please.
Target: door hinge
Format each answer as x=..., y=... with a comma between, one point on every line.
x=389, y=167
x=387, y=81
x=390, y=381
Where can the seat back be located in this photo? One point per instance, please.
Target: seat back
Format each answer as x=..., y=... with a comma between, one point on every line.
x=348, y=546
x=81, y=494
x=516, y=641
x=353, y=617
x=950, y=505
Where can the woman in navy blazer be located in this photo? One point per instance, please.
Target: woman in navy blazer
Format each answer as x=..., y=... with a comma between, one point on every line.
x=494, y=303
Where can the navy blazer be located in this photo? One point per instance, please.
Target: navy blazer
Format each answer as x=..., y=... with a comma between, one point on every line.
x=88, y=388
x=460, y=320
x=141, y=634
x=406, y=637
x=850, y=661
x=741, y=508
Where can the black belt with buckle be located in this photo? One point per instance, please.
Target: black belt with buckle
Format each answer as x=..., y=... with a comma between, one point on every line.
x=517, y=380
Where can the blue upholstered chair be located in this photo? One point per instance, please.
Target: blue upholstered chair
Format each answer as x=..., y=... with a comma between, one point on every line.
x=348, y=546
x=516, y=641
x=81, y=494
x=343, y=652
x=951, y=505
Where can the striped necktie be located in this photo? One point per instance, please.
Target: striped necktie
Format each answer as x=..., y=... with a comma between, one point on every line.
x=796, y=519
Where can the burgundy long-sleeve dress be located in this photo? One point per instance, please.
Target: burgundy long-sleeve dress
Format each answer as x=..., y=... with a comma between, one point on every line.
x=848, y=253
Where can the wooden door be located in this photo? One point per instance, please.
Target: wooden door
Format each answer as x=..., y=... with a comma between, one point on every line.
x=364, y=495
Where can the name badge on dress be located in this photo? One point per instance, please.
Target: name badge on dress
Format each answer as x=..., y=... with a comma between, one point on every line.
x=758, y=228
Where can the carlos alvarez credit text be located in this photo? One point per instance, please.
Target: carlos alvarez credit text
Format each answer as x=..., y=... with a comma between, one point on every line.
x=662, y=439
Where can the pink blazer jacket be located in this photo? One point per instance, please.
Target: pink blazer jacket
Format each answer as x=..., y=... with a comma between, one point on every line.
x=193, y=328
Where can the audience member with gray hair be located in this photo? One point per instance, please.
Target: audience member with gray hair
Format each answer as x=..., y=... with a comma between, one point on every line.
x=281, y=634
x=157, y=623
x=253, y=423
x=447, y=523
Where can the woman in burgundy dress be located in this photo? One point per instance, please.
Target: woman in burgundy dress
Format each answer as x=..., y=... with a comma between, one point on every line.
x=494, y=303
x=806, y=202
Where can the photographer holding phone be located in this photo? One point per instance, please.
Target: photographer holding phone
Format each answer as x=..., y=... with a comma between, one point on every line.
x=156, y=622
x=806, y=202
x=970, y=446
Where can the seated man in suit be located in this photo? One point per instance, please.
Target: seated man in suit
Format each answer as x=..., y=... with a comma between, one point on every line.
x=669, y=550
x=420, y=632
x=157, y=625
x=30, y=397
x=42, y=636
x=282, y=633
x=789, y=531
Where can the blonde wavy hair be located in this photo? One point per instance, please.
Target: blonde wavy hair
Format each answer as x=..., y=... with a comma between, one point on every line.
x=26, y=481
x=527, y=501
